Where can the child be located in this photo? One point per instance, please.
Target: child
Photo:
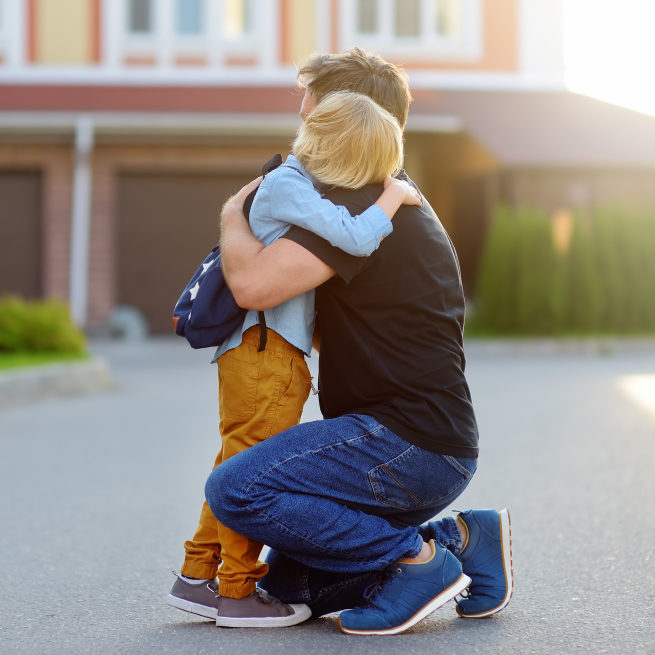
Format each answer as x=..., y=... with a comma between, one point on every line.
x=347, y=141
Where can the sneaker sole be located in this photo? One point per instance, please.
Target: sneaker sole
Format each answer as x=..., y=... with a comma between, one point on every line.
x=447, y=594
x=192, y=608
x=506, y=549
x=300, y=613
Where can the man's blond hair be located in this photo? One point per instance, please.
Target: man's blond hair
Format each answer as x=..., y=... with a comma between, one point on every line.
x=362, y=72
x=348, y=140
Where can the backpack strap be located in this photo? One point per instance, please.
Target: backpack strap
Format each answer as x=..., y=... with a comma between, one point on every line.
x=270, y=165
x=262, y=332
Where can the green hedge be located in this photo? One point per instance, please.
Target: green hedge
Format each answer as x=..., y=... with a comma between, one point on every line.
x=601, y=282
x=38, y=326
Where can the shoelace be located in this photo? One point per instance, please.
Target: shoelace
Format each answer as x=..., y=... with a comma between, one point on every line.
x=375, y=591
x=466, y=593
x=266, y=599
x=214, y=590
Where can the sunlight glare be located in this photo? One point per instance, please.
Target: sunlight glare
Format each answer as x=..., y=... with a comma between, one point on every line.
x=610, y=51
x=640, y=389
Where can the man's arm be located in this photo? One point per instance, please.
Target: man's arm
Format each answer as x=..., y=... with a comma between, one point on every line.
x=263, y=277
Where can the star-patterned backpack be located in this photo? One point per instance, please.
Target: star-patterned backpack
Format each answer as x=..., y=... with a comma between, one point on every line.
x=207, y=313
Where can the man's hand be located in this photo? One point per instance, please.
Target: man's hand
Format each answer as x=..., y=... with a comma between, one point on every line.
x=235, y=202
x=264, y=277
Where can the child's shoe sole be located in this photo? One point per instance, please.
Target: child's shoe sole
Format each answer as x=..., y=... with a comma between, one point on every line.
x=300, y=613
x=192, y=608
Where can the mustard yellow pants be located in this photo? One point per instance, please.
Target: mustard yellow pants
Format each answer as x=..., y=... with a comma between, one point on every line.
x=259, y=395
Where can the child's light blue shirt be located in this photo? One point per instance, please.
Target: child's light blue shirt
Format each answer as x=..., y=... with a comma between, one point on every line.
x=287, y=197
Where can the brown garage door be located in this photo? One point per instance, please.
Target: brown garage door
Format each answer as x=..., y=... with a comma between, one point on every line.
x=166, y=224
x=20, y=233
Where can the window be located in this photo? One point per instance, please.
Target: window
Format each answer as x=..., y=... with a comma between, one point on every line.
x=238, y=18
x=414, y=28
x=367, y=16
x=447, y=17
x=191, y=33
x=189, y=17
x=407, y=18
x=139, y=17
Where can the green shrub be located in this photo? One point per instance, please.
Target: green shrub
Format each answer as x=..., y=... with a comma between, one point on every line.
x=625, y=243
x=602, y=283
x=583, y=291
x=496, y=288
x=38, y=326
x=539, y=297
x=520, y=287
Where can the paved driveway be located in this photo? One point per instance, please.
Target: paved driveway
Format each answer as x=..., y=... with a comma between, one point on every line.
x=98, y=493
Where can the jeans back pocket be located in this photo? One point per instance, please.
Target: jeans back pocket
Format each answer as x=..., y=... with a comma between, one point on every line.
x=417, y=478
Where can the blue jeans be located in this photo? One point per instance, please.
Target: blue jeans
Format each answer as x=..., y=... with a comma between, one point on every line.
x=339, y=496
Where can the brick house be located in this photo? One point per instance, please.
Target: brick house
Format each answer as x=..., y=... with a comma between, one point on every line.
x=124, y=124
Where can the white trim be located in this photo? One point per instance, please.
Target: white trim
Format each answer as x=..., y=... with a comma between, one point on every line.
x=474, y=81
x=269, y=36
x=215, y=48
x=13, y=35
x=140, y=43
x=275, y=77
x=323, y=26
x=112, y=21
x=164, y=32
x=80, y=221
x=3, y=24
x=142, y=123
x=152, y=76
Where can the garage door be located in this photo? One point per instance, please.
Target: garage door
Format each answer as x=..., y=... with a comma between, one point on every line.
x=20, y=233
x=166, y=224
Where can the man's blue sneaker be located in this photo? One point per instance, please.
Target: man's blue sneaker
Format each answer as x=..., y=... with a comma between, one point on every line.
x=405, y=594
x=487, y=560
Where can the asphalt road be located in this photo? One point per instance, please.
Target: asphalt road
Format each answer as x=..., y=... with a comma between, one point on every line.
x=98, y=493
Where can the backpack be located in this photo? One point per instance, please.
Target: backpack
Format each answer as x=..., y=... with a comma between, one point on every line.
x=206, y=313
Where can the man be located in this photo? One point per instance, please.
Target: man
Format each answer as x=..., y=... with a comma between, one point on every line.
x=338, y=500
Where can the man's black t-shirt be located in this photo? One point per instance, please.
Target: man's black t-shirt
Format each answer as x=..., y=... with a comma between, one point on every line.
x=391, y=330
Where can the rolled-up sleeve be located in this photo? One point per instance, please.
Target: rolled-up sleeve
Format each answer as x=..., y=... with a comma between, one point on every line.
x=294, y=200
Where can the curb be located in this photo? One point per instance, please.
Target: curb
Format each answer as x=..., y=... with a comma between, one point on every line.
x=583, y=346
x=39, y=382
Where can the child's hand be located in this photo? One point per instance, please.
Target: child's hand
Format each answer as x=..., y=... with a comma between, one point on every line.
x=412, y=195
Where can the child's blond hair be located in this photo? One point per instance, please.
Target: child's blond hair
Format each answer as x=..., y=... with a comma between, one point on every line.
x=348, y=140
